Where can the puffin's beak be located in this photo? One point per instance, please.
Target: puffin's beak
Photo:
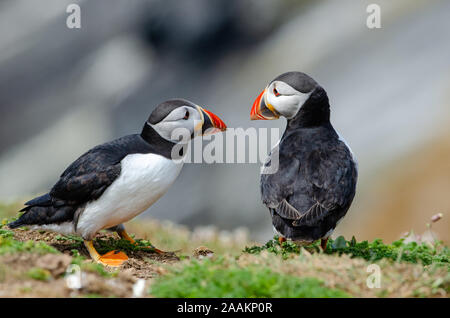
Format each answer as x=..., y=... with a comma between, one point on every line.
x=210, y=120
x=263, y=110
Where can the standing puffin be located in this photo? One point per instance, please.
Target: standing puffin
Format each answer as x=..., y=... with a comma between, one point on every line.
x=315, y=182
x=115, y=181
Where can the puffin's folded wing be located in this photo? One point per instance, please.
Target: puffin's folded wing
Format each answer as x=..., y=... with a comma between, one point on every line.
x=279, y=184
x=287, y=211
x=43, y=200
x=314, y=214
x=332, y=175
x=87, y=178
x=310, y=217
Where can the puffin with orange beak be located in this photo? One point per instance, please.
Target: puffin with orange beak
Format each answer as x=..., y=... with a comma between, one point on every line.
x=115, y=181
x=315, y=183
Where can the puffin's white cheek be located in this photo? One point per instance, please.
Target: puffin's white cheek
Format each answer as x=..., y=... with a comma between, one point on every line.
x=285, y=105
x=166, y=129
x=295, y=103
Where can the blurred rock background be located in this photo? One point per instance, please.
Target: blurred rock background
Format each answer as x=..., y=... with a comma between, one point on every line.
x=64, y=90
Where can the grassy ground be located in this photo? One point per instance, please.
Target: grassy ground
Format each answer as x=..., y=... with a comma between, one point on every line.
x=210, y=263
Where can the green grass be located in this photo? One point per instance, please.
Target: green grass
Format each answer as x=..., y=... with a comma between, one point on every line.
x=412, y=252
x=222, y=278
x=39, y=274
x=9, y=245
x=6, y=233
x=105, y=245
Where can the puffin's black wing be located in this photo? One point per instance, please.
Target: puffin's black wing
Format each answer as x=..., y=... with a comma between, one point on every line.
x=88, y=177
x=278, y=179
x=332, y=176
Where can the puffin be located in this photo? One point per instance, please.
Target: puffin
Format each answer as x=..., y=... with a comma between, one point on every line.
x=115, y=181
x=308, y=181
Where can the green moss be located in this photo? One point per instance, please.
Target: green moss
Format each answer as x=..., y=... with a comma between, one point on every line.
x=39, y=274
x=109, y=244
x=224, y=279
x=412, y=252
x=6, y=233
x=284, y=249
x=9, y=245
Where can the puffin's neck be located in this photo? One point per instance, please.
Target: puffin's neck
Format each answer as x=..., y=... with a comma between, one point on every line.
x=158, y=143
x=315, y=112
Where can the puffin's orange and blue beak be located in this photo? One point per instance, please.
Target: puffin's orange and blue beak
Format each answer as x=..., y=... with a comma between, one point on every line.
x=211, y=122
x=263, y=110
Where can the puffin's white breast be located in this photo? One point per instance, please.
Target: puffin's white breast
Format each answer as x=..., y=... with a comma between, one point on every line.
x=144, y=178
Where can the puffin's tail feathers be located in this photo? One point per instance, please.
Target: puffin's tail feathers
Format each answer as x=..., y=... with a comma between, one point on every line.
x=43, y=200
x=43, y=210
x=15, y=224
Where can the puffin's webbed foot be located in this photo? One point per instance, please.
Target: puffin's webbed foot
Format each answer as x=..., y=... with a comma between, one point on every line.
x=323, y=244
x=281, y=239
x=112, y=258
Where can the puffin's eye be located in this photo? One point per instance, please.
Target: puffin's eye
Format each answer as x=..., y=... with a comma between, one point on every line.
x=276, y=92
x=186, y=116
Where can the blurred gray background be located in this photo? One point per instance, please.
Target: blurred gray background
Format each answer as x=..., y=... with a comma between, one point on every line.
x=63, y=91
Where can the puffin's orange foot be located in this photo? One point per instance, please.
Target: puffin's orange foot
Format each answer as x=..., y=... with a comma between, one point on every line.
x=281, y=240
x=113, y=258
x=323, y=244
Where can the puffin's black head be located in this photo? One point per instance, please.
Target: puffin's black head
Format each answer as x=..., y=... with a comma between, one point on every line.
x=177, y=117
x=293, y=95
